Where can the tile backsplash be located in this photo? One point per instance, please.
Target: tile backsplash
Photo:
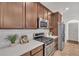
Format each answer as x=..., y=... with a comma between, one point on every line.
x=29, y=32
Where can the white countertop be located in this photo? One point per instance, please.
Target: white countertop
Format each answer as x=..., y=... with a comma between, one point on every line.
x=52, y=36
x=20, y=48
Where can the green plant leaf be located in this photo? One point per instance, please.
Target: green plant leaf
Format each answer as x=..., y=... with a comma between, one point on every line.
x=12, y=38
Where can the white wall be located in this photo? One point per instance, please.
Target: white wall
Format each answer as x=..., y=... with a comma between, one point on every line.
x=66, y=32
x=66, y=28
x=29, y=32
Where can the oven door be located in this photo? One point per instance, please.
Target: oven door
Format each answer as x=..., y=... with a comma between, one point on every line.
x=48, y=49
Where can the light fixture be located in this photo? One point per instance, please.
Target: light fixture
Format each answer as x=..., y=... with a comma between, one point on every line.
x=66, y=8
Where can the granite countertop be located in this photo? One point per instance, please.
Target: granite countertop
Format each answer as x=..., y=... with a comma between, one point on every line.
x=20, y=49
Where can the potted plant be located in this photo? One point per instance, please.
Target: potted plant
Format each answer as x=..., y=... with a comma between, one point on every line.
x=12, y=38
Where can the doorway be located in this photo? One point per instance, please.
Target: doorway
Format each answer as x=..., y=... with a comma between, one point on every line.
x=73, y=31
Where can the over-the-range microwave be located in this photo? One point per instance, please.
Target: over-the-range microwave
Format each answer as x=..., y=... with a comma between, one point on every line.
x=42, y=23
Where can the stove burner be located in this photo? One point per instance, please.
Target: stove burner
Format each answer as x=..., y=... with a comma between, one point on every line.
x=45, y=40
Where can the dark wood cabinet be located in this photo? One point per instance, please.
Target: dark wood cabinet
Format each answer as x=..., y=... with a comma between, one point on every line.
x=40, y=53
x=19, y=15
x=31, y=15
x=56, y=18
x=45, y=14
x=34, y=15
x=50, y=19
x=37, y=51
x=54, y=28
x=40, y=11
x=59, y=16
x=0, y=15
x=13, y=15
x=26, y=54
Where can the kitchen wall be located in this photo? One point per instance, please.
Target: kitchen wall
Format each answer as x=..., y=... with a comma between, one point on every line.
x=29, y=32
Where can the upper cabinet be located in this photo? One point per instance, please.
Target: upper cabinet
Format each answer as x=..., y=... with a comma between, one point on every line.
x=50, y=18
x=19, y=15
x=13, y=15
x=31, y=15
x=40, y=9
x=0, y=15
x=56, y=18
x=59, y=16
x=45, y=13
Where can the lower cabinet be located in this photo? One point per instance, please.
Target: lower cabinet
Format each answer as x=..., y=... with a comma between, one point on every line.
x=39, y=53
x=56, y=43
x=26, y=54
x=35, y=52
x=55, y=46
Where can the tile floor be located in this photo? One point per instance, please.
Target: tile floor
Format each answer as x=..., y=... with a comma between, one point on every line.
x=70, y=49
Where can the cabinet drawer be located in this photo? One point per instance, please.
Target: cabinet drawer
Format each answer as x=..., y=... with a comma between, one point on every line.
x=36, y=50
x=26, y=54
x=40, y=53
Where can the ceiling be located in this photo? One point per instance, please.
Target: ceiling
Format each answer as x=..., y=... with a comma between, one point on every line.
x=69, y=14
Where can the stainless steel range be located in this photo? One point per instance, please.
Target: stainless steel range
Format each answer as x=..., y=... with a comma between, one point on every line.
x=47, y=41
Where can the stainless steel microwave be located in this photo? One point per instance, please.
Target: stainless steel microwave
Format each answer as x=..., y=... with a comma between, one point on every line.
x=42, y=23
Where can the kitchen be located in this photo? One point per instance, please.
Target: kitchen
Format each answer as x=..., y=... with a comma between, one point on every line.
x=28, y=29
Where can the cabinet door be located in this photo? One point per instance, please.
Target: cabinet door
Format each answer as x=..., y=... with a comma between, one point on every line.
x=26, y=54
x=31, y=15
x=54, y=24
x=45, y=14
x=40, y=53
x=0, y=14
x=50, y=19
x=13, y=15
x=56, y=17
x=40, y=11
x=59, y=17
x=37, y=51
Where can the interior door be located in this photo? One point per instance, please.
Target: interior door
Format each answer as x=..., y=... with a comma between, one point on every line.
x=73, y=31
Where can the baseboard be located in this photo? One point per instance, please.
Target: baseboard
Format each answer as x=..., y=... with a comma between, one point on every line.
x=71, y=41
